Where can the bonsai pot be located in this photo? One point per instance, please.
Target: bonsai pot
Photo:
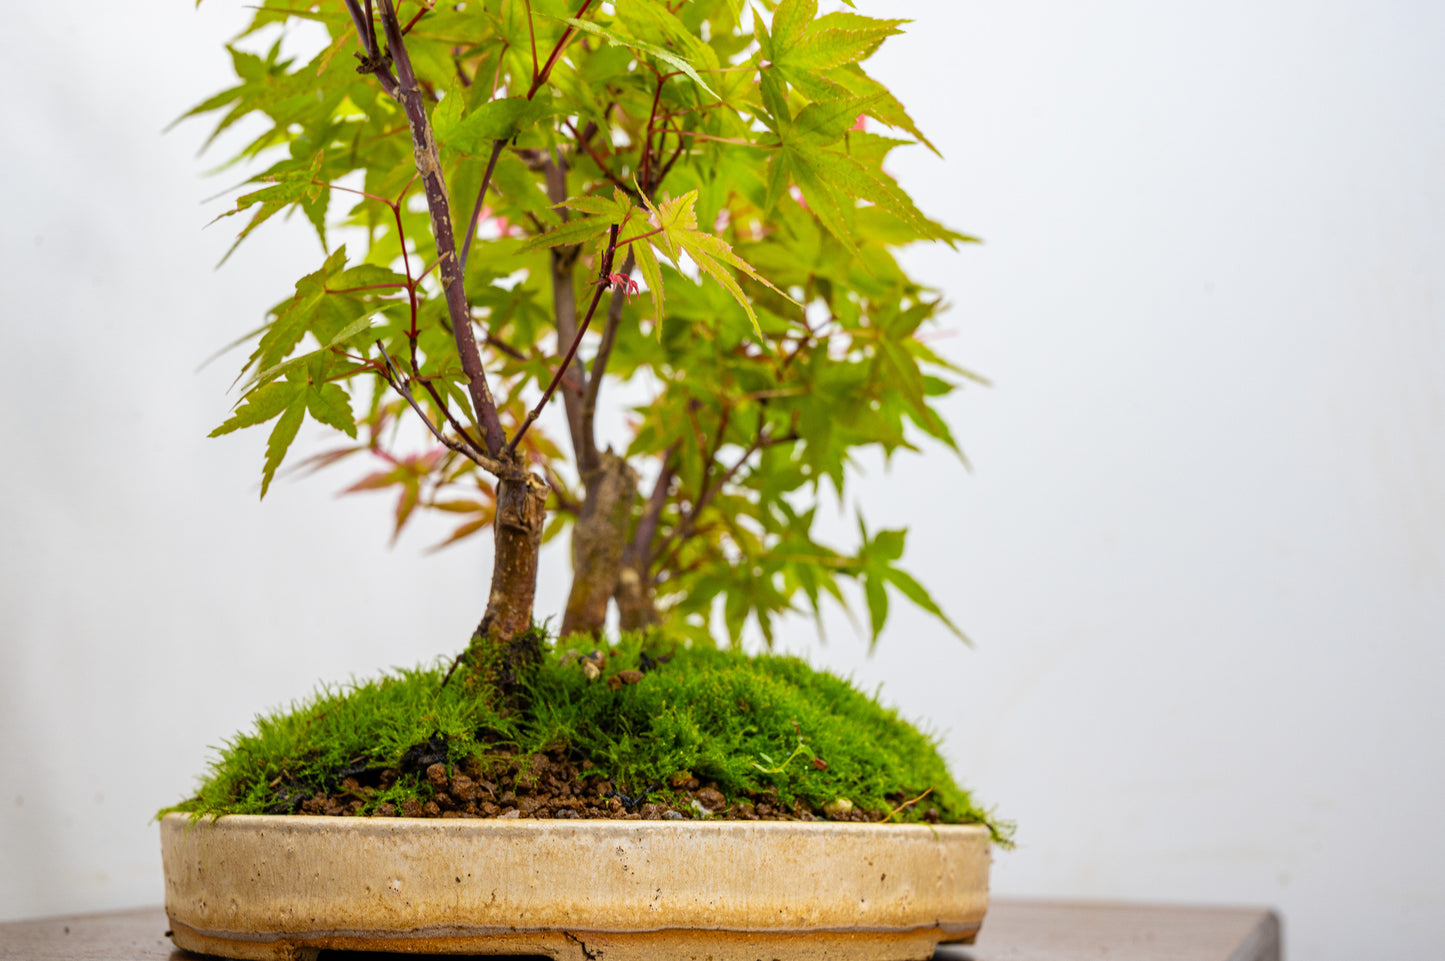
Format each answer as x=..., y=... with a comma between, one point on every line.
x=286, y=887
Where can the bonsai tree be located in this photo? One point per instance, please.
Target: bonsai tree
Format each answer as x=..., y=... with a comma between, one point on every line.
x=542, y=201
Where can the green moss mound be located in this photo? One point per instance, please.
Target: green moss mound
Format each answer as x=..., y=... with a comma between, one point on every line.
x=765, y=726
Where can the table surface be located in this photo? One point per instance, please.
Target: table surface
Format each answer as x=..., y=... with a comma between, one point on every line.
x=1013, y=931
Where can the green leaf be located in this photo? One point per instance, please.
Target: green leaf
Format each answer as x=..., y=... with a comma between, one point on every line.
x=652, y=50
x=677, y=220
x=883, y=106
x=833, y=41
x=572, y=232
x=599, y=206
x=304, y=312
x=294, y=184
x=874, y=186
x=329, y=404
x=775, y=99
x=652, y=273
x=790, y=20
x=886, y=546
x=476, y=132
x=914, y=591
x=833, y=207
x=345, y=334
x=259, y=406
x=877, y=598
x=828, y=122
x=279, y=441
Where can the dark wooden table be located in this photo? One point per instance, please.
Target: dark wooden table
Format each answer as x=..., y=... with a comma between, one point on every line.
x=1013, y=931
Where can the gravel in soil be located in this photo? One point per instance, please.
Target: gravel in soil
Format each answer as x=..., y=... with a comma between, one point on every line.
x=553, y=786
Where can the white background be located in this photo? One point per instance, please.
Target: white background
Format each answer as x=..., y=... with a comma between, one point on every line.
x=1202, y=552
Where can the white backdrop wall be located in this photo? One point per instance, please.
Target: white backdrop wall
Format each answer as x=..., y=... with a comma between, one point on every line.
x=1202, y=552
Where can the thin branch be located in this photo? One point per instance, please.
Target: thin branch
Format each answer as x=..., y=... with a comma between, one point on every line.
x=667, y=167
x=359, y=20
x=393, y=378
x=564, y=503
x=604, y=352
x=602, y=284
x=646, y=163
x=563, y=261
x=371, y=43
x=408, y=94
x=405, y=259
x=586, y=144
x=567, y=36
x=372, y=61
x=425, y=9
x=652, y=514
x=538, y=78
x=447, y=413
x=481, y=196
x=678, y=535
x=532, y=32
x=697, y=435
x=724, y=419
x=501, y=345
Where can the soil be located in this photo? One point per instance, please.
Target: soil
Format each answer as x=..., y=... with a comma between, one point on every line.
x=548, y=785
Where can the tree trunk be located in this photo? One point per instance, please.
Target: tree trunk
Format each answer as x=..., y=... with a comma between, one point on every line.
x=597, y=541
x=504, y=644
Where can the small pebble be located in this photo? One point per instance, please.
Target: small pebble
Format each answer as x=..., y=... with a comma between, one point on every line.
x=462, y=787
x=712, y=799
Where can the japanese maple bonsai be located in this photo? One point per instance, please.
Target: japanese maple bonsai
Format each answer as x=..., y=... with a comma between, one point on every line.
x=549, y=201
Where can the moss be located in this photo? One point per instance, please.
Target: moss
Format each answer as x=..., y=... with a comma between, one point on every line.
x=756, y=726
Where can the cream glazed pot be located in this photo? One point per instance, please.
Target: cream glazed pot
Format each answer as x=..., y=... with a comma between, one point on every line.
x=287, y=887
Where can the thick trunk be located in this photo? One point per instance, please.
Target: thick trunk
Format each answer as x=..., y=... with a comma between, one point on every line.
x=504, y=642
x=597, y=542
